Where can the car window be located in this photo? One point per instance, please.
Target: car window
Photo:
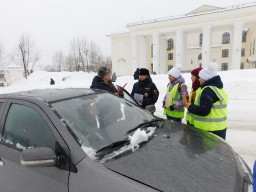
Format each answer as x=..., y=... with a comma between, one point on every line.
x=127, y=96
x=24, y=127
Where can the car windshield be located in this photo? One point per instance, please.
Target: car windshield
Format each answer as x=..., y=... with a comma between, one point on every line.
x=100, y=119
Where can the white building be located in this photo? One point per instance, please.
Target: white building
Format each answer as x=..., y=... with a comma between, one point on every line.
x=224, y=35
x=10, y=74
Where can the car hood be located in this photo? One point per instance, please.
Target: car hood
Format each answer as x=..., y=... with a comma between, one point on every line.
x=181, y=158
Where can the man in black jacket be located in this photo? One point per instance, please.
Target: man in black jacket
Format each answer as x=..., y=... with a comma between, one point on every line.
x=146, y=89
x=103, y=81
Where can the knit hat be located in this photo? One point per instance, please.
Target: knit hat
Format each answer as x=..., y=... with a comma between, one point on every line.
x=209, y=72
x=144, y=71
x=103, y=71
x=175, y=71
x=195, y=71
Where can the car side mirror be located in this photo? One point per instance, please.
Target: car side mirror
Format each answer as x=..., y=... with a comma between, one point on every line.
x=38, y=157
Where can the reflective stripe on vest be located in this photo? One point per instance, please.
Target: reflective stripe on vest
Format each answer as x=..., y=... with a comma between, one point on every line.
x=217, y=118
x=176, y=97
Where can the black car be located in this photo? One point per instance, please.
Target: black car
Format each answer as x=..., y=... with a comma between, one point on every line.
x=91, y=140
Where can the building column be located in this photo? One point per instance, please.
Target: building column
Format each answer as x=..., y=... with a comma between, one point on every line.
x=163, y=55
x=142, y=52
x=156, y=52
x=134, y=52
x=206, y=50
x=179, y=44
x=237, y=44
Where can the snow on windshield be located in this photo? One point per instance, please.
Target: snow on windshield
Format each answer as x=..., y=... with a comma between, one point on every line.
x=136, y=138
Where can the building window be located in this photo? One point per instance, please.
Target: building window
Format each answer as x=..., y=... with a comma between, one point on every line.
x=170, y=67
x=170, y=45
x=224, y=67
x=242, y=66
x=199, y=57
x=226, y=38
x=224, y=53
x=201, y=39
x=170, y=56
x=200, y=65
x=244, y=33
x=242, y=52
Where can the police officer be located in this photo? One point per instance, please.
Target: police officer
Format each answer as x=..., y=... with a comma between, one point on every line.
x=146, y=89
x=210, y=106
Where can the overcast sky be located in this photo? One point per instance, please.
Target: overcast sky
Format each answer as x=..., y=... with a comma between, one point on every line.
x=52, y=24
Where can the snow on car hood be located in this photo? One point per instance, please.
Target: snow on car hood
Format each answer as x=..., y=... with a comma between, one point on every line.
x=136, y=138
x=181, y=158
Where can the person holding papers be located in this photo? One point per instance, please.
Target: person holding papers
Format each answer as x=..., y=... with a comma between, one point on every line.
x=145, y=91
x=173, y=101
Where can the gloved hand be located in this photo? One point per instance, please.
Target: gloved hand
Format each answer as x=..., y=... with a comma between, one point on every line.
x=171, y=108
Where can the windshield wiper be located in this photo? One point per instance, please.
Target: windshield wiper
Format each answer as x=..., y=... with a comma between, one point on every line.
x=144, y=124
x=112, y=147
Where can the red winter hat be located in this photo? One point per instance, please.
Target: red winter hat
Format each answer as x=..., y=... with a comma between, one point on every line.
x=196, y=71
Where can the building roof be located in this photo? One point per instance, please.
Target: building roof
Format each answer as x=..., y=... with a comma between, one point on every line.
x=202, y=10
x=12, y=67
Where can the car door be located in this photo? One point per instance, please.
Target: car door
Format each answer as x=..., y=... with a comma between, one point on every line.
x=24, y=125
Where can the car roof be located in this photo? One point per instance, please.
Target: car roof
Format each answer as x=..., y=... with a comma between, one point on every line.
x=51, y=95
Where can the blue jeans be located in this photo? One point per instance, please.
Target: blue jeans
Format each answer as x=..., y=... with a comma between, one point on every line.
x=174, y=119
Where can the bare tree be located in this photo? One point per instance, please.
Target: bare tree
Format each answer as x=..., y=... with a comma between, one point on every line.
x=1, y=56
x=58, y=61
x=69, y=63
x=85, y=56
x=79, y=51
x=26, y=54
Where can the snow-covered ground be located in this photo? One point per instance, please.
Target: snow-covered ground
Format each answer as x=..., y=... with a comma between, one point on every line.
x=239, y=84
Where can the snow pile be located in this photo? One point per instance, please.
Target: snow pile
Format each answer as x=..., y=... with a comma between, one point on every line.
x=138, y=137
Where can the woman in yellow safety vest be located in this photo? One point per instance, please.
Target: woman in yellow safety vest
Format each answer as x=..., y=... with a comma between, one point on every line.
x=195, y=89
x=210, y=106
x=173, y=103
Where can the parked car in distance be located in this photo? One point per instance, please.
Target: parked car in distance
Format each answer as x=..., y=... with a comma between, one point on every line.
x=89, y=140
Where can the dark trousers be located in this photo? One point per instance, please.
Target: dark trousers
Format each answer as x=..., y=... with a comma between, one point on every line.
x=221, y=133
x=174, y=119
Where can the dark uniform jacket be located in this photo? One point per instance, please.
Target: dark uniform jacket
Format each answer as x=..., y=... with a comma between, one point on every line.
x=149, y=91
x=208, y=97
x=97, y=83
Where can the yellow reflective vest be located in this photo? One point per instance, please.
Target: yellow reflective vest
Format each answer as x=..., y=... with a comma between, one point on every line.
x=189, y=116
x=217, y=118
x=176, y=97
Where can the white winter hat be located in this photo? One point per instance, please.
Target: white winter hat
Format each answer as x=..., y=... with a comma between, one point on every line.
x=175, y=72
x=209, y=72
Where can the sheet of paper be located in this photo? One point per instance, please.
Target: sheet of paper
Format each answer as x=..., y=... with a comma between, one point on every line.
x=168, y=100
x=138, y=97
